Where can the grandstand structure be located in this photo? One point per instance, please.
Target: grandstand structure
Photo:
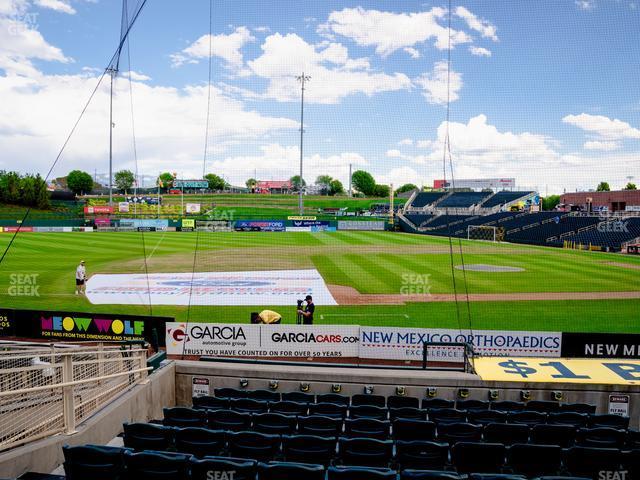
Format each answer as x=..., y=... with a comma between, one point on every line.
x=452, y=213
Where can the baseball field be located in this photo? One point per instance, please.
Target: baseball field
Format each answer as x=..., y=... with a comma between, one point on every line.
x=376, y=278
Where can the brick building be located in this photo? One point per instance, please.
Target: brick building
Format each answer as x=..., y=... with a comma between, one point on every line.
x=613, y=201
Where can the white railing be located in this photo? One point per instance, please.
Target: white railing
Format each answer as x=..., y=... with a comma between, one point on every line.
x=46, y=390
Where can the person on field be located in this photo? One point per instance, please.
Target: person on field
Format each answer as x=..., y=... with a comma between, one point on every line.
x=81, y=278
x=307, y=313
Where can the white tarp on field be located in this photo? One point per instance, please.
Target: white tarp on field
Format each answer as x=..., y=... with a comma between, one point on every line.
x=262, y=288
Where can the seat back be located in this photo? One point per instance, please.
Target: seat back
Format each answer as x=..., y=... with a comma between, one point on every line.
x=561, y=435
x=155, y=465
x=225, y=392
x=228, y=420
x=471, y=457
x=373, y=400
x=506, y=433
x=333, y=398
x=366, y=452
x=398, y=401
x=254, y=445
x=309, y=449
x=589, y=461
x=147, y=436
x=408, y=429
x=208, y=402
x=535, y=460
x=287, y=407
x=319, y=425
x=421, y=454
x=360, y=473
x=93, y=462
x=290, y=471
x=274, y=423
x=184, y=417
x=335, y=410
x=367, y=427
x=459, y=432
x=368, y=411
x=200, y=441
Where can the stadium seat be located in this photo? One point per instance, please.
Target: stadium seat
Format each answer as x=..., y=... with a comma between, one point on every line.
x=146, y=436
x=496, y=476
x=561, y=435
x=320, y=426
x=211, y=403
x=200, y=441
x=274, y=423
x=452, y=433
x=603, y=437
x=507, y=406
x=447, y=415
x=309, y=449
x=368, y=411
x=589, y=461
x=608, y=420
x=367, y=428
x=333, y=398
x=299, y=397
x=290, y=471
x=418, y=454
x=360, y=473
x=575, y=419
x=184, y=417
x=242, y=469
x=264, y=395
x=249, y=405
x=93, y=462
x=228, y=420
x=544, y=406
x=151, y=465
x=373, y=400
x=229, y=393
x=365, y=452
x=411, y=474
x=633, y=439
x=397, y=401
x=334, y=410
x=506, y=433
x=485, y=417
x=527, y=417
x=471, y=457
x=631, y=462
x=560, y=477
x=289, y=408
x=472, y=405
x=253, y=445
x=534, y=460
x=578, y=408
x=407, y=412
x=408, y=429
x=437, y=403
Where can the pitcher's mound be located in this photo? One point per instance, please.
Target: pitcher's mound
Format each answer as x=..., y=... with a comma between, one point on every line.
x=479, y=267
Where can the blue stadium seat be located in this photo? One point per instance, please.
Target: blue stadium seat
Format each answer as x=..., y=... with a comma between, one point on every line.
x=93, y=462
x=472, y=405
x=328, y=409
x=397, y=401
x=242, y=469
x=560, y=477
x=504, y=197
x=471, y=457
x=447, y=415
x=290, y=471
x=289, y=408
x=274, y=423
x=578, y=408
x=184, y=417
x=607, y=420
x=299, y=397
x=423, y=199
x=151, y=465
x=633, y=439
x=147, y=436
x=309, y=448
x=631, y=462
x=527, y=417
x=544, y=406
x=320, y=426
x=568, y=418
x=589, y=461
x=452, y=433
x=408, y=429
x=561, y=435
x=367, y=428
x=229, y=393
x=360, y=473
x=419, y=454
x=463, y=199
x=264, y=395
x=200, y=441
x=211, y=403
x=254, y=445
x=373, y=400
x=368, y=411
x=506, y=433
x=535, y=460
x=411, y=474
x=249, y=405
x=365, y=452
x=407, y=412
x=496, y=476
x=228, y=420
x=485, y=417
x=507, y=406
x=603, y=437
x=429, y=403
x=333, y=398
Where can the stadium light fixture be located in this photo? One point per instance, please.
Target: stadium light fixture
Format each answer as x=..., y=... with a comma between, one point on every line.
x=273, y=385
x=244, y=383
x=302, y=79
x=401, y=391
x=336, y=388
x=304, y=387
x=432, y=392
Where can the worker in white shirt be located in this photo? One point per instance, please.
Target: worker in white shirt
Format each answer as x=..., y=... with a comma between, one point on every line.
x=81, y=277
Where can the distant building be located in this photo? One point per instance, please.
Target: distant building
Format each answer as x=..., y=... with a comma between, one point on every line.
x=495, y=184
x=621, y=200
x=274, y=186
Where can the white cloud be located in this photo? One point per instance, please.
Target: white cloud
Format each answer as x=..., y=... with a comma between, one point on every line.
x=604, y=127
x=13, y=7
x=388, y=31
x=57, y=5
x=479, y=51
x=394, y=153
x=405, y=141
x=334, y=75
x=485, y=28
x=228, y=47
x=424, y=143
x=434, y=84
x=399, y=176
x=585, y=4
x=412, y=52
x=598, y=145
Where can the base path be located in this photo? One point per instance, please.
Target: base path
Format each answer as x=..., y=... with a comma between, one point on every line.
x=350, y=296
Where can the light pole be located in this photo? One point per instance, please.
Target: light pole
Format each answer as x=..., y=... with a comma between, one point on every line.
x=112, y=71
x=302, y=79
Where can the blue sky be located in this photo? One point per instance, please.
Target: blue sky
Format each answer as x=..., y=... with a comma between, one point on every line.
x=545, y=91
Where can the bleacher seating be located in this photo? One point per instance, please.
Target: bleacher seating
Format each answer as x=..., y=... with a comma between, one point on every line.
x=418, y=219
x=463, y=199
x=610, y=234
x=427, y=198
x=440, y=439
x=442, y=221
x=504, y=197
x=554, y=228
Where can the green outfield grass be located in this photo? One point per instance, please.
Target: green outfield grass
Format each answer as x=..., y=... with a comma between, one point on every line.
x=370, y=262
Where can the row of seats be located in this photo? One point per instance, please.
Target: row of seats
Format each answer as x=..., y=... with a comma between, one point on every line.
x=610, y=234
x=423, y=199
x=539, y=235
x=102, y=463
x=504, y=197
x=464, y=199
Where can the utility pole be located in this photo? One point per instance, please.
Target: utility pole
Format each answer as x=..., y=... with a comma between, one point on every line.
x=350, y=166
x=302, y=79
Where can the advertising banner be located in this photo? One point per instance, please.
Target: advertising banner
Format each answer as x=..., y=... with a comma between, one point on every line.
x=7, y=324
x=265, y=341
x=214, y=225
x=53, y=229
x=407, y=343
x=360, y=225
x=260, y=226
x=102, y=222
x=137, y=223
x=600, y=345
x=123, y=207
x=193, y=208
x=98, y=209
x=16, y=229
x=187, y=225
x=298, y=217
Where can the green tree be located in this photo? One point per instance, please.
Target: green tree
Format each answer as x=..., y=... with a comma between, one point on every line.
x=9, y=187
x=79, y=182
x=603, y=187
x=165, y=181
x=251, y=183
x=336, y=188
x=363, y=182
x=28, y=191
x=381, y=190
x=124, y=180
x=215, y=182
x=550, y=202
x=43, y=199
x=407, y=187
x=296, y=182
x=630, y=186
x=323, y=180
